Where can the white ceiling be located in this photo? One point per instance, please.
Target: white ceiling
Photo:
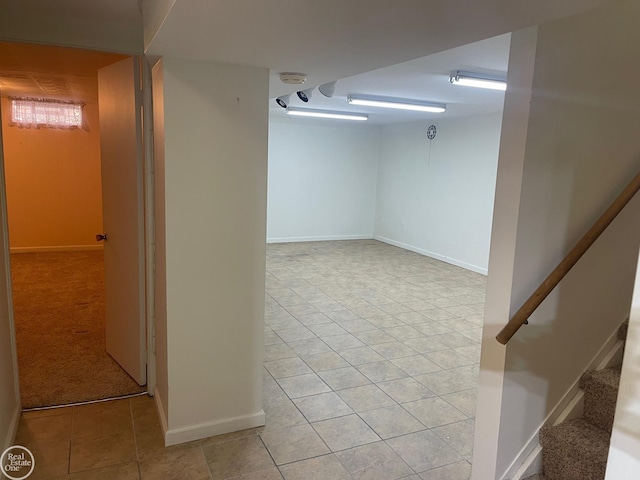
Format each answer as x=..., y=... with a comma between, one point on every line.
x=326, y=39
x=355, y=42
x=425, y=79
x=70, y=74
x=334, y=39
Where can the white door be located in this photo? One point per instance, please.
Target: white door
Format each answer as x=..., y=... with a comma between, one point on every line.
x=119, y=102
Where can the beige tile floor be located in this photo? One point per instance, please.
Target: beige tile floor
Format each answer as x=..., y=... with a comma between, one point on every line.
x=371, y=361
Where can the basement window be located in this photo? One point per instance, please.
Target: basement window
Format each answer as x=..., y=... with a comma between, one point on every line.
x=35, y=113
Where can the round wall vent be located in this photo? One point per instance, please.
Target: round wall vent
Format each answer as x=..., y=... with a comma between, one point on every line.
x=431, y=132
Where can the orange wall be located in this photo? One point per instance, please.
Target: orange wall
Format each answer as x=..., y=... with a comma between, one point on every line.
x=54, y=193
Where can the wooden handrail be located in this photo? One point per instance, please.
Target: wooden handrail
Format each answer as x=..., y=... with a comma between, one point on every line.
x=521, y=316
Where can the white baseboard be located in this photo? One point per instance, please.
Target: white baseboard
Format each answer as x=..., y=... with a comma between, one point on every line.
x=61, y=248
x=427, y=253
x=210, y=429
x=13, y=428
x=532, y=464
x=437, y=256
x=571, y=405
x=163, y=419
x=324, y=238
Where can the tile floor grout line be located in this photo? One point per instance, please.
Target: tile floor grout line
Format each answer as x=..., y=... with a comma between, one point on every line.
x=135, y=437
x=370, y=345
x=200, y=446
x=73, y=415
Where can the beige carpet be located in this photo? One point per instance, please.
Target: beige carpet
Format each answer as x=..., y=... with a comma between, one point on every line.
x=58, y=303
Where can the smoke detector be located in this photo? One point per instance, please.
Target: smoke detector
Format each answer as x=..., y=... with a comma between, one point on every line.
x=291, y=78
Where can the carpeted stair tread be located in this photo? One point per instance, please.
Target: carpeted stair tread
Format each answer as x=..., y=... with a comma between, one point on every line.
x=578, y=449
x=610, y=377
x=574, y=450
x=600, y=396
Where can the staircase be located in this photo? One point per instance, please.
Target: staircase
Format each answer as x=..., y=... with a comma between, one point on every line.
x=578, y=449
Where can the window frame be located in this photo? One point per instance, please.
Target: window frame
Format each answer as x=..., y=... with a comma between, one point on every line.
x=34, y=113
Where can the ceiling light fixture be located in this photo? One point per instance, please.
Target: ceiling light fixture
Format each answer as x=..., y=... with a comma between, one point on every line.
x=304, y=112
x=284, y=100
x=399, y=103
x=305, y=95
x=293, y=78
x=478, y=80
x=327, y=89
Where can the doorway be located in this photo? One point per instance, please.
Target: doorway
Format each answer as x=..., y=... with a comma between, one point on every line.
x=54, y=185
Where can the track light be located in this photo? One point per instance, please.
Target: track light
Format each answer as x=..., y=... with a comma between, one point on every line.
x=306, y=112
x=327, y=89
x=399, y=103
x=479, y=80
x=284, y=100
x=305, y=95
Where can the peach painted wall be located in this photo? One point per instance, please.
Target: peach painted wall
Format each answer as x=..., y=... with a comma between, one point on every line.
x=54, y=192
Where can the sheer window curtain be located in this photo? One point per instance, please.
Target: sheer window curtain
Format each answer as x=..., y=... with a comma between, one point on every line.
x=31, y=113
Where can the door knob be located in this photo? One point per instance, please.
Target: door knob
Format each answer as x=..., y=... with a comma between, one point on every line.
x=101, y=236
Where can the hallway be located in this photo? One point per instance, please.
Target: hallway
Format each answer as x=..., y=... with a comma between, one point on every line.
x=59, y=314
x=371, y=358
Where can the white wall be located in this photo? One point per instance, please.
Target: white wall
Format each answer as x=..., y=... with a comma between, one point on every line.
x=581, y=149
x=154, y=13
x=212, y=219
x=503, y=246
x=322, y=180
x=436, y=197
x=330, y=181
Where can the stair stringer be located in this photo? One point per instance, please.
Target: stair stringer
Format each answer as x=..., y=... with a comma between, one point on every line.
x=571, y=405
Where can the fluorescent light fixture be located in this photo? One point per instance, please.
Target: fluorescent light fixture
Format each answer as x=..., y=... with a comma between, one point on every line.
x=399, y=103
x=479, y=80
x=304, y=112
